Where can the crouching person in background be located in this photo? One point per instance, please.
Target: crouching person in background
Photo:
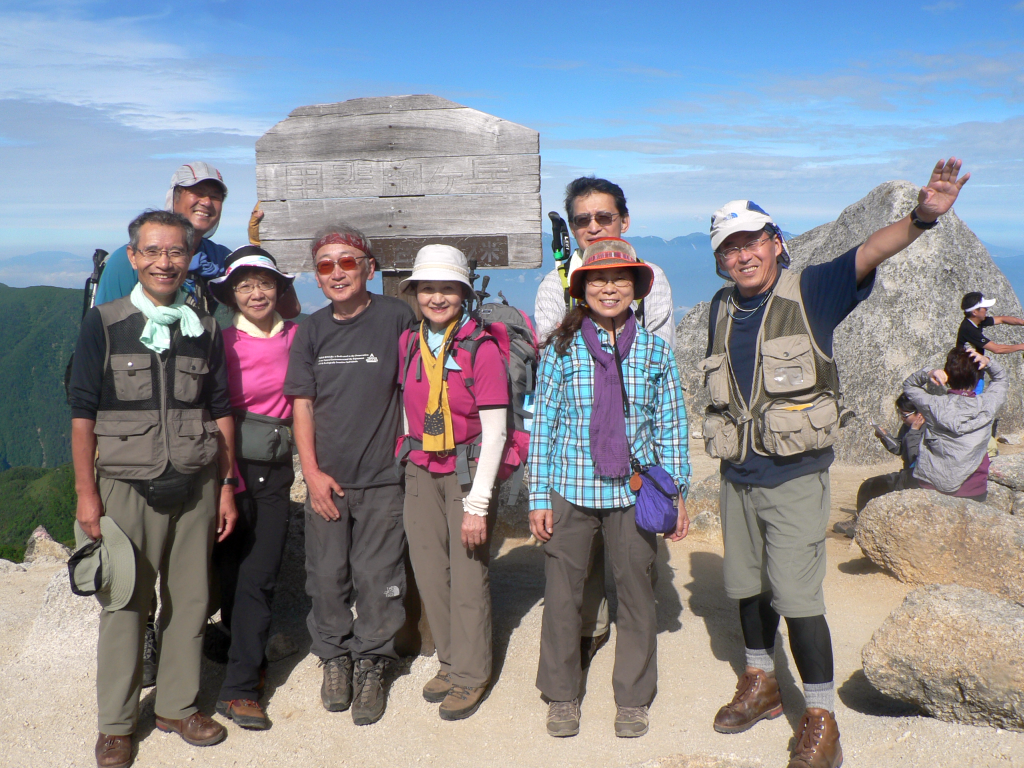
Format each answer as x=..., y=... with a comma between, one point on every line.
x=152, y=440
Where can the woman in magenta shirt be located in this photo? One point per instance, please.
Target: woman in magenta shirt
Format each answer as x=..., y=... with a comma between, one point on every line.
x=256, y=348
x=455, y=402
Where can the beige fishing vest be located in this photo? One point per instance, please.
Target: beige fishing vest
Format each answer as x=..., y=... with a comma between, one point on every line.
x=796, y=402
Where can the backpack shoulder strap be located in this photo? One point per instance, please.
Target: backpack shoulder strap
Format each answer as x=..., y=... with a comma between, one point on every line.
x=409, y=351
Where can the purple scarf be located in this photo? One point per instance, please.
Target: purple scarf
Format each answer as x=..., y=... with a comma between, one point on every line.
x=608, y=446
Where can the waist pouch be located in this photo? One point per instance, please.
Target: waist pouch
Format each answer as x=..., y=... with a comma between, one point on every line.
x=169, y=490
x=262, y=438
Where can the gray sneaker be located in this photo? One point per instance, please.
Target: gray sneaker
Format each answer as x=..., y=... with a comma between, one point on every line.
x=336, y=691
x=563, y=718
x=149, y=656
x=630, y=722
x=368, y=688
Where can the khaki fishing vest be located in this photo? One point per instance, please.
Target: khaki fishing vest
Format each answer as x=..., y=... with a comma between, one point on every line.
x=150, y=411
x=796, y=402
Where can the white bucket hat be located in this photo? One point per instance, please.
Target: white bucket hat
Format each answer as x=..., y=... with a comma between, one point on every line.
x=743, y=216
x=439, y=263
x=104, y=568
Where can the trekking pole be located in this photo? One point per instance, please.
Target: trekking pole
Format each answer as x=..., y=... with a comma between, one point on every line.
x=91, y=282
x=560, y=245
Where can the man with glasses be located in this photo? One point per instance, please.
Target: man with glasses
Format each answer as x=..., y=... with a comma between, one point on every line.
x=776, y=408
x=597, y=209
x=343, y=373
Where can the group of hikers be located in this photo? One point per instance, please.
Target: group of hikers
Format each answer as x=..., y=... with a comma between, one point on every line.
x=406, y=421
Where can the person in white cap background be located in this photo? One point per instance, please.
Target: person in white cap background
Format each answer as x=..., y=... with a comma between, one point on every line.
x=453, y=397
x=197, y=191
x=776, y=408
x=343, y=375
x=256, y=348
x=608, y=395
x=977, y=319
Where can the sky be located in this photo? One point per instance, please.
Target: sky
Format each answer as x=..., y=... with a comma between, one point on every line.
x=803, y=107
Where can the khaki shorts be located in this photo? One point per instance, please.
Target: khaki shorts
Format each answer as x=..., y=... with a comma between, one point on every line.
x=775, y=541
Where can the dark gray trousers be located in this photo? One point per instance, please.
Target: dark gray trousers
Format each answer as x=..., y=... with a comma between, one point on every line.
x=631, y=553
x=362, y=553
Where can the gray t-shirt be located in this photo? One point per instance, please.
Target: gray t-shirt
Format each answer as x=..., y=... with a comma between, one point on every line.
x=350, y=369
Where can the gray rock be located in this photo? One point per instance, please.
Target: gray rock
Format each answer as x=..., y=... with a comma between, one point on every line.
x=6, y=566
x=1000, y=497
x=1018, y=503
x=41, y=547
x=298, y=492
x=924, y=537
x=703, y=508
x=1008, y=471
x=909, y=322
x=956, y=653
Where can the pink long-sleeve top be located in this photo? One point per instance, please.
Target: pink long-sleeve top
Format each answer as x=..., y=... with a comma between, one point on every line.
x=256, y=370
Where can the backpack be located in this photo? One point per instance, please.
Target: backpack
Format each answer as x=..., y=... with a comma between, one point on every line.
x=516, y=339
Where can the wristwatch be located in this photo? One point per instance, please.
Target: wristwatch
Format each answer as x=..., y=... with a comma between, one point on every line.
x=918, y=222
x=230, y=481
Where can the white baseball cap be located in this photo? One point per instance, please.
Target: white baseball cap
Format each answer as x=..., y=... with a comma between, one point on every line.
x=744, y=216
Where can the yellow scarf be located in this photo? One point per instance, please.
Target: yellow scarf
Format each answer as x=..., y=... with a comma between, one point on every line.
x=438, y=435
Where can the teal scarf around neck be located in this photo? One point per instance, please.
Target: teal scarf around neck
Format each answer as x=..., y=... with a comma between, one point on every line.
x=157, y=333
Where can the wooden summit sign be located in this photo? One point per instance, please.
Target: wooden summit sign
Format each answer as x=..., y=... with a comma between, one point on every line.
x=407, y=171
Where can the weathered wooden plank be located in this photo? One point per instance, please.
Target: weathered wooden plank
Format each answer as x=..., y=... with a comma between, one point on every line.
x=397, y=136
x=405, y=216
x=481, y=174
x=523, y=251
x=376, y=105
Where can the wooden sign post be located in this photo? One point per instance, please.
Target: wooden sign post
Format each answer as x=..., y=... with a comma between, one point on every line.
x=407, y=171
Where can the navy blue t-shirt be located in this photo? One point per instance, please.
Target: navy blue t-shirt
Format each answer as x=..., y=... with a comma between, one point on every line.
x=830, y=292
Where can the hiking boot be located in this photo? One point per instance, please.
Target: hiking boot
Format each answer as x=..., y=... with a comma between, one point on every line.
x=631, y=722
x=113, y=751
x=563, y=718
x=437, y=687
x=245, y=712
x=369, y=699
x=847, y=528
x=336, y=691
x=817, y=741
x=150, y=658
x=461, y=702
x=757, y=698
x=589, y=646
x=197, y=729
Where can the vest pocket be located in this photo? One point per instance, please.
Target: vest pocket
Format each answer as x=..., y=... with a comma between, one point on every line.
x=189, y=375
x=789, y=428
x=716, y=379
x=193, y=441
x=721, y=436
x=128, y=444
x=133, y=376
x=787, y=364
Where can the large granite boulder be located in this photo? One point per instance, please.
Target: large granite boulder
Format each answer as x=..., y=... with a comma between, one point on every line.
x=956, y=653
x=703, y=508
x=909, y=322
x=1007, y=471
x=41, y=547
x=925, y=537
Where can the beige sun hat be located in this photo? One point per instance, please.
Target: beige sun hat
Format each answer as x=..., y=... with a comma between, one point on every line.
x=105, y=568
x=440, y=263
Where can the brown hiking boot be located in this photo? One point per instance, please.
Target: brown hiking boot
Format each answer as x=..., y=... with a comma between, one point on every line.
x=757, y=698
x=197, y=729
x=461, y=702
x=563, y=718
x=114, y=751
x=437, y=687
x=817, y=741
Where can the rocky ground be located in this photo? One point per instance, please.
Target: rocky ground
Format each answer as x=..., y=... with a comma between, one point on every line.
x=47, y=669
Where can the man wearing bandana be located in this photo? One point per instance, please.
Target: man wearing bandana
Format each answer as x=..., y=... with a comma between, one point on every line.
x=343, y=374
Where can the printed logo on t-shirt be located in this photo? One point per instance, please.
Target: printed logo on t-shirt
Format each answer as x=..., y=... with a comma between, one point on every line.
x=346, y=359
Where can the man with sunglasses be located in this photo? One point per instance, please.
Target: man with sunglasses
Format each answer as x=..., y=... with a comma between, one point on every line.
x=343, y=373
x=776, y=408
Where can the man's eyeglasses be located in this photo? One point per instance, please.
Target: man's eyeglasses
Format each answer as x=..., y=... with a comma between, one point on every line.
x=326, y=266
x=907, y=414
x=263, y=285
x=603, y=218
x=601, y=282
x=174, y=254
x=731, y=253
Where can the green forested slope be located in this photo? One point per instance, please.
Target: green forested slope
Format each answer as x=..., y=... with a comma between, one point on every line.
x=31, y=497
x=38, y=330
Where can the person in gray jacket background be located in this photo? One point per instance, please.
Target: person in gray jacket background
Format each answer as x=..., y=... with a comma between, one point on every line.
x=958, y=423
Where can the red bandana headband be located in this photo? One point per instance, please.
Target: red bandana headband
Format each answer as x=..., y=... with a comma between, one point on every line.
x=336, y=239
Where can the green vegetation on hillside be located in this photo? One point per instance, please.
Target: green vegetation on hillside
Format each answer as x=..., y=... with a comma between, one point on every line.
x=38, y=330
x=29, y=497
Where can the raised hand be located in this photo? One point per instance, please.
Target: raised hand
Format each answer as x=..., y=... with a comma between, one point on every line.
x=942, y=189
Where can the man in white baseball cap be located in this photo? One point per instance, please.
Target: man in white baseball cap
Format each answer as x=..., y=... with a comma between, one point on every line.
x=776, y=409
x=976, y=318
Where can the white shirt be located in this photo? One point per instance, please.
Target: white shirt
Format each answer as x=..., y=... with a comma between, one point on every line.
x=549, y=307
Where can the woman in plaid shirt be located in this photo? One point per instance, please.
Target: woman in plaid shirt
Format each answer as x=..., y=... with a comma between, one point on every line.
x=582, y=439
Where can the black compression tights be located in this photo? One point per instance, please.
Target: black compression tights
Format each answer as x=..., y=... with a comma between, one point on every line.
x=809, y=637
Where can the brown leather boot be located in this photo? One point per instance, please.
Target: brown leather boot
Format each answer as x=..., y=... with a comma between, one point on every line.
x=817, y=741
x=197, y=729
x=113, y=751
x=757, y=698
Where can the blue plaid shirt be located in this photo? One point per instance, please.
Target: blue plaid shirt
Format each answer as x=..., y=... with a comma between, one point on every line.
x=560, y=441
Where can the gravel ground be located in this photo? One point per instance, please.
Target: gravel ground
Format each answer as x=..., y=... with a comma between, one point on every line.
x=47, y=671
